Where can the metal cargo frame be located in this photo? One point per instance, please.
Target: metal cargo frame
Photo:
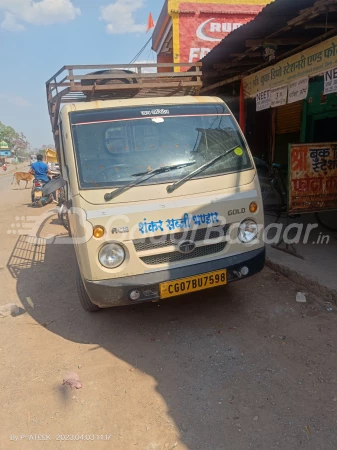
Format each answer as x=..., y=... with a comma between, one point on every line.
x=72, y=84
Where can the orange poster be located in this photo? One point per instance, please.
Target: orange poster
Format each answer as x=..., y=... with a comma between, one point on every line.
x=313, y=177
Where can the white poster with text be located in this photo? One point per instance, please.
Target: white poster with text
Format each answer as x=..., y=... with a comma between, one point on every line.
x=263, y=100
x=298, y=90
x=330, y=81
x=279, y=96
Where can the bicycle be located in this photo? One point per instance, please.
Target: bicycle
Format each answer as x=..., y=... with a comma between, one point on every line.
x=273, y=188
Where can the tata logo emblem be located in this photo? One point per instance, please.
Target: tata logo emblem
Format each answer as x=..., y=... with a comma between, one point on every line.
x=187, y=247
x=120, y=230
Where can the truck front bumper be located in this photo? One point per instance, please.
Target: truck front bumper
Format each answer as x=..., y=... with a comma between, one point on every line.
x=116, y=292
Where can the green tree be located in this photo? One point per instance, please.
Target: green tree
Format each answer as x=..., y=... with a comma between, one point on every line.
x=16, y=141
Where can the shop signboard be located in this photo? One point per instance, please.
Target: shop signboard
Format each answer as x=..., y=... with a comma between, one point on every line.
x=330, y=81
x=204, y=25
x=312, y=177
x=311, y=62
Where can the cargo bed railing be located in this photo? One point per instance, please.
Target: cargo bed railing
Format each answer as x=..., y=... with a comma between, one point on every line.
x=110, y=81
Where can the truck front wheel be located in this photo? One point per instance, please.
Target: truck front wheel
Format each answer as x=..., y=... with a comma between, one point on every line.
x=82, y=293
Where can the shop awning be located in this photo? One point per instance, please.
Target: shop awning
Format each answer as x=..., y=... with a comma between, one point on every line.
x=282, y=29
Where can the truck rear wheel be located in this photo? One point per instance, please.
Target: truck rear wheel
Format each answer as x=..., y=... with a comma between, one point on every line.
x=85, y=301
x=106, y=94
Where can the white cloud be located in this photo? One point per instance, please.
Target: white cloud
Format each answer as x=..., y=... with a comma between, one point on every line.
x=15, y=100
x=120, y=16
x=43, y=12
x=10, y=24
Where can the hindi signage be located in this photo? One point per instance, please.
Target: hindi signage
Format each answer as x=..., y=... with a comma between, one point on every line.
x=330, y=81
x=311, y=62
x=279, y=96
x=263, y=100
x=312, y=177
x=298, y=90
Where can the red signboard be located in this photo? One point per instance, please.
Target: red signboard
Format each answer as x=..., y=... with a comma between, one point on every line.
x=202, y=26
x=313, y=177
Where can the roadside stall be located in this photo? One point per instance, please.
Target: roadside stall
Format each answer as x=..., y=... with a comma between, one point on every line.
x=301, y=92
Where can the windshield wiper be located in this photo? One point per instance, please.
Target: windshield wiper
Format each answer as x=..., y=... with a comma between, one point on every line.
x=172, y=187
x=145, y=176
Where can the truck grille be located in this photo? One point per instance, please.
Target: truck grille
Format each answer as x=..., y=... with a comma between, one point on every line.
x=174, y=239
x=171, y=257
x=161, y=242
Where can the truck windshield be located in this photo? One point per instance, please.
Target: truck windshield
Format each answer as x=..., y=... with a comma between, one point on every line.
x=113, y=144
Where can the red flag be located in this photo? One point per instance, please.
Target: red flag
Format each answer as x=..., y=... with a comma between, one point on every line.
x=150, y=23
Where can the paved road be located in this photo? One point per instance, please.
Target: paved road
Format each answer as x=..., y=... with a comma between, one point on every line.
x=244, y=367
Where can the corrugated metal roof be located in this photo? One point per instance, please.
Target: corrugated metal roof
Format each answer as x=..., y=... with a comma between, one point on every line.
x=158, y=28
x=273, y=17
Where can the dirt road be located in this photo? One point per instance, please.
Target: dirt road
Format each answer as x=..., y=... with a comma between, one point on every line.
x=244, y=367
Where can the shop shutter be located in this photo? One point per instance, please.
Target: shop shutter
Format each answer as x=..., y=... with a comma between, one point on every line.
x=288, y=118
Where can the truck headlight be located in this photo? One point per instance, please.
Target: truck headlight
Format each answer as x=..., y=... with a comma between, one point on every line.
x=111, y=255
x=248, y=231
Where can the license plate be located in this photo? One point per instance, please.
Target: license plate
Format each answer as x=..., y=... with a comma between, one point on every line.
x=193, y=284
x=38, y=194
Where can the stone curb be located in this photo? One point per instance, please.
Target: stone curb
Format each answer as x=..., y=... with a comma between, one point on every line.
x=322, y=291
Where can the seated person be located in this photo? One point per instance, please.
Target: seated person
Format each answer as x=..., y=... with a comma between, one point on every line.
x=41, y=171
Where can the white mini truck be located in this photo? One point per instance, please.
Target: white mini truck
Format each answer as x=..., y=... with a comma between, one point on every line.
x=162, y=195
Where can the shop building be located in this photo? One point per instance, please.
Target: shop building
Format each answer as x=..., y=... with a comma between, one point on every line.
x=278, y=74
x=286, y=43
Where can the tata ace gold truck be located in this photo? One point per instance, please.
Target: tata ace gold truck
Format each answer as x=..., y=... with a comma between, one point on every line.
x=162, y=193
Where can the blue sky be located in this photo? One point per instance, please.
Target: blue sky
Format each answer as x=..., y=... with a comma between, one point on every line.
x=37, y=37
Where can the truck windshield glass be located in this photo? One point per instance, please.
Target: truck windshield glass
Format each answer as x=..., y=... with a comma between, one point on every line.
x=111, y=145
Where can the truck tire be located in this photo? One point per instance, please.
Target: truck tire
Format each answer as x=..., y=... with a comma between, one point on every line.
x=85, y=301
x=113, y=94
